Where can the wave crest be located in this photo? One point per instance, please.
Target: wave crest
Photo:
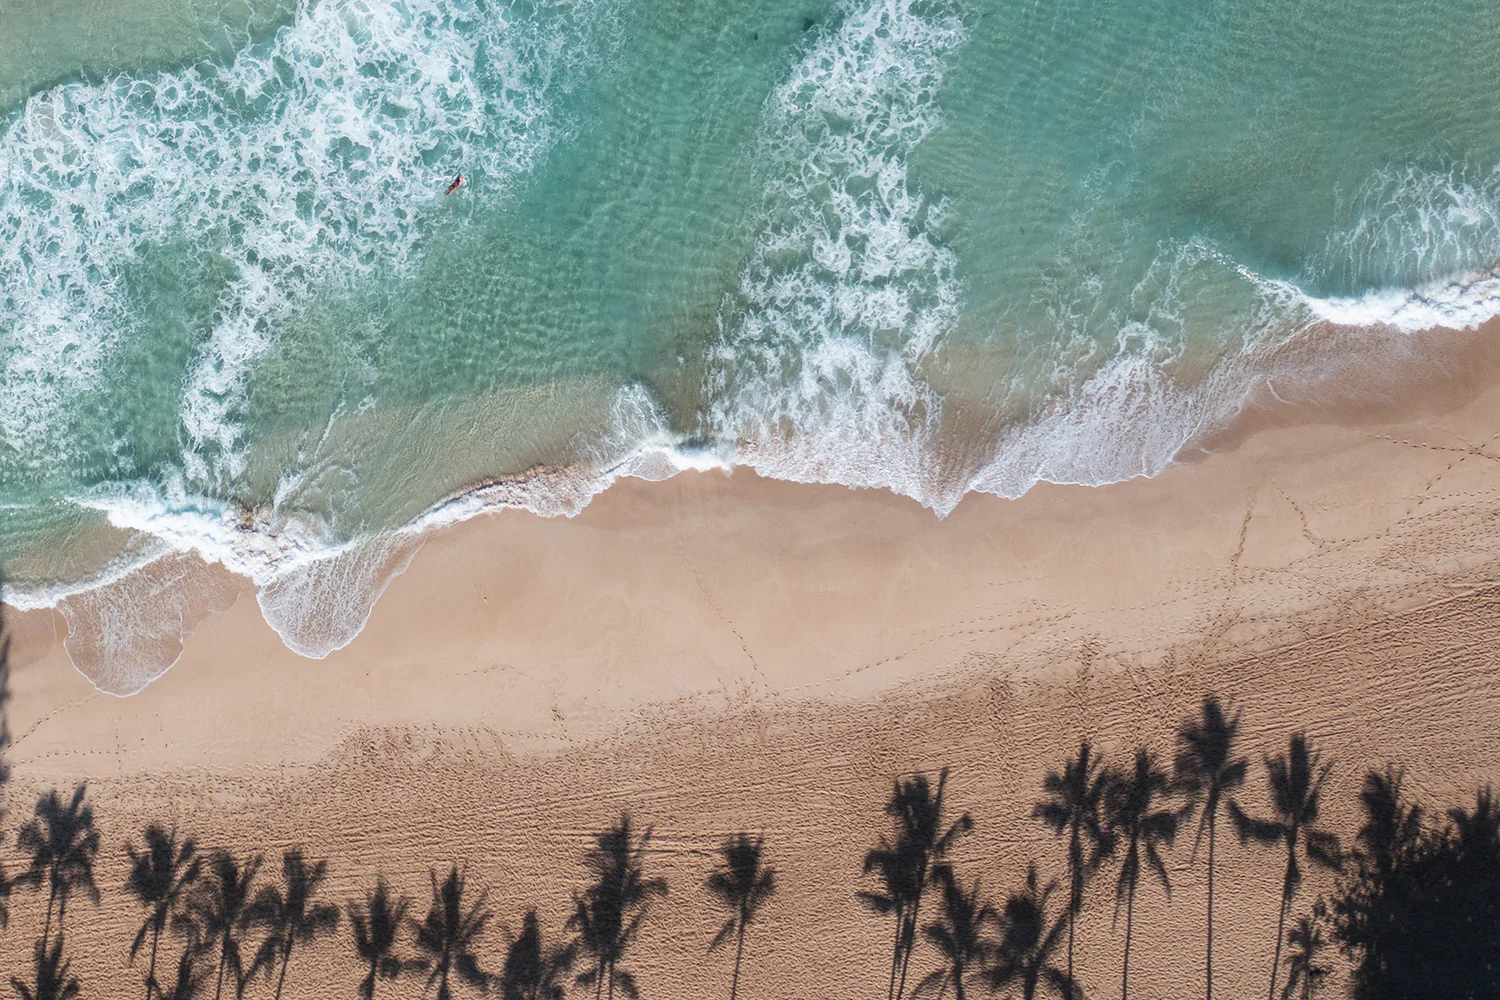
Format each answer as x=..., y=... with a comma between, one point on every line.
x=816, y=376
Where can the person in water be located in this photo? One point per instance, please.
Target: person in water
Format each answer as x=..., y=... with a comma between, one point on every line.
x=454, y=186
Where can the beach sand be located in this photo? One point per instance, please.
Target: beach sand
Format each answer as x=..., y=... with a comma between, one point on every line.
x=715, y=653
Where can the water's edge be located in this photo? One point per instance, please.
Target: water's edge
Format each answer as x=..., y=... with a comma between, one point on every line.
x=318, y=599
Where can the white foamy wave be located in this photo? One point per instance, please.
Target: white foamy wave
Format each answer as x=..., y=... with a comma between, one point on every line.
x=253, y=544
x=125, y=634
x=318, y=594
x=1125, y=421
x=1132, y=417
x=1413, y=227
x=321, y=605
x=1113, y=409
x=1460, y=304
x=292, y=165
x=1423, y=241
x=1456, y=305
x=815, y=377
x=308, y=159
x=315, y=589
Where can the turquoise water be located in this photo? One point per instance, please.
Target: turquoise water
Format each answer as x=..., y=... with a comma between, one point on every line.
x=927, y=245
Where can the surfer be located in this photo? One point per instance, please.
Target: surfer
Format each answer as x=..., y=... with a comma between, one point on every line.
x=454, y=186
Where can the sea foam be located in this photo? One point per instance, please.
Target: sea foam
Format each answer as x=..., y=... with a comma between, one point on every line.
x=291, y=164
x=850, y=289
x=1455, y=305
x=309, y=159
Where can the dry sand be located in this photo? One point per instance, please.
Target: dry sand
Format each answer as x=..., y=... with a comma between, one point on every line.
x=715, y=653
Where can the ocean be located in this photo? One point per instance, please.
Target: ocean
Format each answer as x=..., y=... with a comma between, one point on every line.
x=929, y=246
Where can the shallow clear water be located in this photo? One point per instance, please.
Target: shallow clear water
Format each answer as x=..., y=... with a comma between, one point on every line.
x=926, y=245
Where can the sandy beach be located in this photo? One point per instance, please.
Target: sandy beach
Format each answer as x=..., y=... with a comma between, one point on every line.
x=715, y=653
x=432, y=432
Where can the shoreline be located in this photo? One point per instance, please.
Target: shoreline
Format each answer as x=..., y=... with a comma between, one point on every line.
x=1296, y=490
x=1380, y=376
x=720, y=652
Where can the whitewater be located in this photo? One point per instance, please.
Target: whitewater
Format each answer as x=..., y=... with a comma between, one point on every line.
x=928, y=246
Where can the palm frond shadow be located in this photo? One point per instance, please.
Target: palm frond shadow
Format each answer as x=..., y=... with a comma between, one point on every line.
x=903, y=861
x=1032, y=936
x=161, y=873
x=1136, y=816
x=1207, y=770
x=1296, y=790
x=376, y=924
x=218, y=916
x=534, y=968
x=52, y=977
x=62, y=844
x=961, y=935
x=607, y=916
x=742, y=883
x=448, y=936
x=1073, y=806
x=1417, y=905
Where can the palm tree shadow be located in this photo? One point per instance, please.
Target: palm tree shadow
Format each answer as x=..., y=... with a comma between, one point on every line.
x=534, y=969
x=1205, y=771
x=607, y=916
x=1305, y=944
x=742, y=883
x=1032, y=937
x=62, y=843
x=1296, y=787
x=1135, y=817
x=218, y=915
x=449, y=934
x=291, y=915
x=191, y=979
x=959, y=935
x=904, y=863
x=1417, y=909
x=160, y=875
x=1073, y=806
x=52, y=978
x=376, y=923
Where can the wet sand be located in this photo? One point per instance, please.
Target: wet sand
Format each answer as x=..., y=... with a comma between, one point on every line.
x=722, y=652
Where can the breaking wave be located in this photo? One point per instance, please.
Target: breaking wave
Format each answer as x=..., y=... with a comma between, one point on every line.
x=308, y=163
x=817, y=376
